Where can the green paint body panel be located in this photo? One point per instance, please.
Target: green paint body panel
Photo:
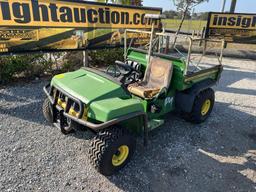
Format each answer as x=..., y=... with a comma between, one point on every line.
x=107, y=109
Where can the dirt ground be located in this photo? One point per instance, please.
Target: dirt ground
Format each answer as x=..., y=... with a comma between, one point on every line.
x=218, y=155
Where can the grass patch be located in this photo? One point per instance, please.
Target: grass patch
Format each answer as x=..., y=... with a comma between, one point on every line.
x=188, y=25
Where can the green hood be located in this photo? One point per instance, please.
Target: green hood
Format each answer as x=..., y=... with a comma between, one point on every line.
x=89, y=85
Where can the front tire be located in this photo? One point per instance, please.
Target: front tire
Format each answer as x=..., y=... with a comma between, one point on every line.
x=47, y=110
x=111, y=150
x=70, y=125
x=202, y=107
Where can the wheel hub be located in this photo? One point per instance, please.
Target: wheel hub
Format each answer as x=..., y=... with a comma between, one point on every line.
x=206, y=107
x=120, y=156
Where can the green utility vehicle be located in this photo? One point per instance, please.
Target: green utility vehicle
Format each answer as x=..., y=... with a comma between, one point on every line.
x=130, y=98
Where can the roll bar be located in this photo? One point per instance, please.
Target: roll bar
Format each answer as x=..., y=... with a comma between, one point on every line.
x=163, y=34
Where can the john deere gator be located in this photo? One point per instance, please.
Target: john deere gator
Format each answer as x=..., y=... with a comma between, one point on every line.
x=130, y=98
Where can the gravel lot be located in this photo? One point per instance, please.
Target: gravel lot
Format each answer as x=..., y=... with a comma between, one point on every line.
x=218, y=155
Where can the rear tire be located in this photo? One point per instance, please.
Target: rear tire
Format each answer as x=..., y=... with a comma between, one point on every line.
x=202, y=107
x=111, y=150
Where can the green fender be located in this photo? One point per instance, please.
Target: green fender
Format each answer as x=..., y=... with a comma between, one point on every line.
x=111, y=108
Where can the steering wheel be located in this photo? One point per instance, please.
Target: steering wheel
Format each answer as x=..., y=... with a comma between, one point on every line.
x=125, y=73
x=114, y=71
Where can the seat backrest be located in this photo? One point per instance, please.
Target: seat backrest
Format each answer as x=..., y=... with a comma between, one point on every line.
x=158, y=73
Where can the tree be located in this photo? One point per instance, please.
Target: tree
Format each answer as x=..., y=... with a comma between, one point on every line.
x=203, y=16
x=170, y=14
x=194, y=16
x=184, y=6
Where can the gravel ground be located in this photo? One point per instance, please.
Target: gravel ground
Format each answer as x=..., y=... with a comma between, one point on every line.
x=218, y=155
